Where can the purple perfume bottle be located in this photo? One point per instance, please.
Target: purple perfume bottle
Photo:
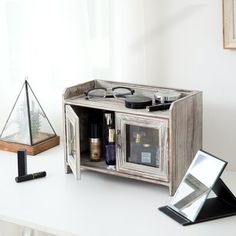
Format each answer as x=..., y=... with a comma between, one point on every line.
x=110, y=147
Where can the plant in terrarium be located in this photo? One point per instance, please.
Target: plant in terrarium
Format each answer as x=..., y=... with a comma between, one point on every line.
x=22, y=121
x=35, y=122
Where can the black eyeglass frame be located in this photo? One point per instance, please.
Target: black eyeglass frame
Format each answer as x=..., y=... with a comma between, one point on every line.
x=132, y=91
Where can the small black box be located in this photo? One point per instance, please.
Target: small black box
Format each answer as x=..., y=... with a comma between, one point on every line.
x=138, y=102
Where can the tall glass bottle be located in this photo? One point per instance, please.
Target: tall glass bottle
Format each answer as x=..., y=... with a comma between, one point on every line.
x=95, y=143
x=110, y=147
x=148, y=154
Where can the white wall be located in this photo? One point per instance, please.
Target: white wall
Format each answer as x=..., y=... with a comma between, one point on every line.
x=46, y=41
x=180, y=44
x=161, y=42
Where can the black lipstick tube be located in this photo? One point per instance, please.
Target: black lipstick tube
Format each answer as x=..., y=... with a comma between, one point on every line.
x=22, y=162
x=30, y=176
x=159, y=107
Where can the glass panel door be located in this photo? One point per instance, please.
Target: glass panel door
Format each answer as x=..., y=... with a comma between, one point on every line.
x=142, y=146
x=72, y=141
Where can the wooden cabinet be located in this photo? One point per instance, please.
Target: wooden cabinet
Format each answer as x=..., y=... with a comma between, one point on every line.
x=170, y=138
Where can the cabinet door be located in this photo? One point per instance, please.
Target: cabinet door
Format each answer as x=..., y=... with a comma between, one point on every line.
x=72, y=141
x=142, y=146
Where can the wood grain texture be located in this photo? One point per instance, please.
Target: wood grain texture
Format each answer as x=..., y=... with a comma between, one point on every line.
x=156, y=124
x=78, y=90
x=31, y=150
x=185, y=136
x=184, y=129
x=73, y=151
x=101, y=167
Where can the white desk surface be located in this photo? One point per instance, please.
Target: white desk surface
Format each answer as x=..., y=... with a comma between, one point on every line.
x=98, y=204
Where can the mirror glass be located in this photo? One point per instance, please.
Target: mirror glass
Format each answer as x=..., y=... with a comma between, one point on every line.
x=197, y=184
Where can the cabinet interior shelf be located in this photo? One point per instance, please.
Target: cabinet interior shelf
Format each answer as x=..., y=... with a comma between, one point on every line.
x=169, y=139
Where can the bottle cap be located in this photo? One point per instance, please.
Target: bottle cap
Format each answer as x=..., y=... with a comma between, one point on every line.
x=108, y=118
x=146, y=145
x=163, y=96
x=138, y=138
x=95, y=133
x=111, y=135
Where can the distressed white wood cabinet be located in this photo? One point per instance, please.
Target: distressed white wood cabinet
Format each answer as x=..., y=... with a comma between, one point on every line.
x=172, y=136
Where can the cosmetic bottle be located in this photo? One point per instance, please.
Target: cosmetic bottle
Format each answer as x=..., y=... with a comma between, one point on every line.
x=135, y=148
x=110, y=147
x=148, y=154
x=142, y=150
x=95, y=143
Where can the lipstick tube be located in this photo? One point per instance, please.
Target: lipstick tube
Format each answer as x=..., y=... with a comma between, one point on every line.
x=30, y=176
x=159, y=107
x=22, y=162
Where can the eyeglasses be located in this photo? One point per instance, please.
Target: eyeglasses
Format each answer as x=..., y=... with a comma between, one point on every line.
x=116, y=92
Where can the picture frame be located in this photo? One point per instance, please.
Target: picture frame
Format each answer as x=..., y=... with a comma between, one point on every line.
x=229, y=24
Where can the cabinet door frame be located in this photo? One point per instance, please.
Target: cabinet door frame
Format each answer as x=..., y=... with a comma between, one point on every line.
x=161, y=125
x=72, y=125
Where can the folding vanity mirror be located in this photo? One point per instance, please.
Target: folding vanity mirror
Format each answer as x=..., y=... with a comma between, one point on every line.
x=191, y=203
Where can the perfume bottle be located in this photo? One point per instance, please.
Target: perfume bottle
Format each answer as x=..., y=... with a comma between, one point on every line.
x=142, y=150
x=95, y=143
x=135, y=148
x=148, y=155
x=110, y=147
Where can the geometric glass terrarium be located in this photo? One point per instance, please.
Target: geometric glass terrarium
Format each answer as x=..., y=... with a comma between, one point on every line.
x=27, y=125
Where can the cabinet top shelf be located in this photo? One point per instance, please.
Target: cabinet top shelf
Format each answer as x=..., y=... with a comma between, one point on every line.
x=75, y=96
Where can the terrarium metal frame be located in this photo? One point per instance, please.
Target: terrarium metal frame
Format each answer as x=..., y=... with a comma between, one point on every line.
x=33, y=147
